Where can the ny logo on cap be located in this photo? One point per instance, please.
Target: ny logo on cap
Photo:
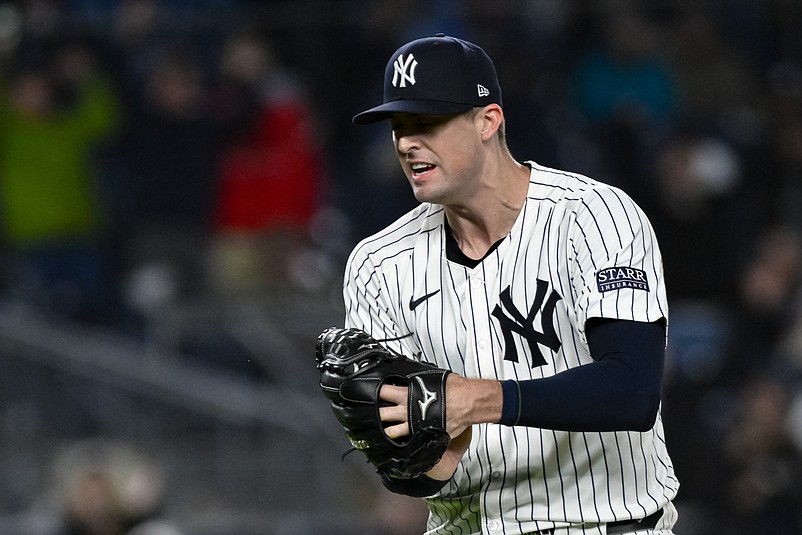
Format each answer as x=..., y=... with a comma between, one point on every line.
x=404, y=69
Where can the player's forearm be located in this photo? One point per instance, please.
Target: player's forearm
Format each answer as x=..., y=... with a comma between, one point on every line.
x=472, y=401
x=618, y=392
x=586, y=400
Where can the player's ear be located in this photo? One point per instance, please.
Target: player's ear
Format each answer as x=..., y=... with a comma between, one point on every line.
x=489, y=119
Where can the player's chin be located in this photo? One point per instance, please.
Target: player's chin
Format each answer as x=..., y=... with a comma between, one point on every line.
x=423, y=191
x=423, y=198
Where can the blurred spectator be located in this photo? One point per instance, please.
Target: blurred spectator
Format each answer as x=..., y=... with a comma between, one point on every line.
x=11, y=32
x=718, y=81
x=785, y=191
x=271, y=177
x=353, y=164
x=696, y=193
x=165, y=161
x=762, y=469
x=102, y=487
x=769, y=303
x=625, y=79
x=56, y=114
x=136, y=39
x=627, y=92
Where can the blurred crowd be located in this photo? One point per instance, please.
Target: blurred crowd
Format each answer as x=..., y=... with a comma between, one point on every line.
x=141, y=162
x=151, y=151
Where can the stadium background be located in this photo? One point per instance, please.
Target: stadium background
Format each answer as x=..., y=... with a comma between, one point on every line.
x=180, y=184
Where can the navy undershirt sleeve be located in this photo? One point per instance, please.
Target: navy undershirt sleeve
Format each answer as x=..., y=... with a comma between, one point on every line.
x=619, y=391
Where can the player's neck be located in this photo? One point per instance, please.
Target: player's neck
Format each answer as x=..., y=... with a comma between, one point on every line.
x=487, y=217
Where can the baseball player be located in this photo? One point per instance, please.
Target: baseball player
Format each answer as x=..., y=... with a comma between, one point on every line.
x=542, y=291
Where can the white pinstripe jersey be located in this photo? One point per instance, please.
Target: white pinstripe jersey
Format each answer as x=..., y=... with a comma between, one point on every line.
x=579, y=249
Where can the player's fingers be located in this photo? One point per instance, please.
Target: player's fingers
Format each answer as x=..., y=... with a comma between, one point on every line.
x=397, y=431
x=393, y=413
x=396, y=412
x=394, y=394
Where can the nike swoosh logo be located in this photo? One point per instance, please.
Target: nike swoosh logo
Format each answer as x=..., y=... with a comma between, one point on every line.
x=413, y=303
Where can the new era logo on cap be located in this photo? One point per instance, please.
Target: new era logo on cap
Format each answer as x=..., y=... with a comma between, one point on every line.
x=437, y=75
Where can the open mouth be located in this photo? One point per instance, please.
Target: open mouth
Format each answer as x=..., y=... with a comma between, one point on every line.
x=421, y=169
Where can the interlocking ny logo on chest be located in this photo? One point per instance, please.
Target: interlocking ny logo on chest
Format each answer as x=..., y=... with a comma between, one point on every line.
x=522, y=323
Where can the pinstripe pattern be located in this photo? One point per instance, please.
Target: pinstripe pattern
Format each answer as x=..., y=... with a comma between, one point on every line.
x=516, y=480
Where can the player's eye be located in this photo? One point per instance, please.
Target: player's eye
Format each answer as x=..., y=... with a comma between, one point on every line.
x=417, y=124
x=433, y=120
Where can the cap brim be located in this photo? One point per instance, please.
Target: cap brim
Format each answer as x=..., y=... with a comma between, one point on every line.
x=422, y=107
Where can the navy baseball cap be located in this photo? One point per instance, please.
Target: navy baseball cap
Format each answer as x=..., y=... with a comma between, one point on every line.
x=438, y=75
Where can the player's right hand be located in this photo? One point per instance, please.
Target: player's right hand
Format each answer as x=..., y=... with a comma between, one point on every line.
x=444, y=470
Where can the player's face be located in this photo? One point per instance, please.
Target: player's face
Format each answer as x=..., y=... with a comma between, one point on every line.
x=439, y=154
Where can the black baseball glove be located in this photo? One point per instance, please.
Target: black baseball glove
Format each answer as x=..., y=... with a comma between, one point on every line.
x=353, y=367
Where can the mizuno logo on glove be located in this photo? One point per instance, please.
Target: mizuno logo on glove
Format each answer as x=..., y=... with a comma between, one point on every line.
x=429, y=397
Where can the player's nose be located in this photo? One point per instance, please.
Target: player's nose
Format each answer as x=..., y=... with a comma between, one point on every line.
x=406, y=143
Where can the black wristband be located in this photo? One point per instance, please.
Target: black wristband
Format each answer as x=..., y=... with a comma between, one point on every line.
x=511, y=405
x=417, y=487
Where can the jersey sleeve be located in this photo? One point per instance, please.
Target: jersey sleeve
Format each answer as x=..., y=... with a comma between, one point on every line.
x=616, y=260
x=370, y=306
